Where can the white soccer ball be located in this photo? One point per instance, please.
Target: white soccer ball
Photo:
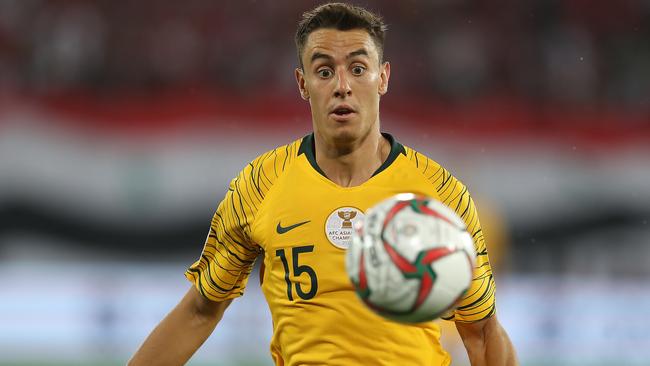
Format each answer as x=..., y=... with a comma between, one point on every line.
x=411, y=259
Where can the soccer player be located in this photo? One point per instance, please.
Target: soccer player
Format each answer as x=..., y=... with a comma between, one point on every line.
x=294, y=206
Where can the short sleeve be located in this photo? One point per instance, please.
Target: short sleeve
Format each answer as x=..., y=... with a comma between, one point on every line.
x=479, y=301
x=228, y=255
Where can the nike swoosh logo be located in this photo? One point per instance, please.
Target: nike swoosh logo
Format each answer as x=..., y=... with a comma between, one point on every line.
x=282, y=230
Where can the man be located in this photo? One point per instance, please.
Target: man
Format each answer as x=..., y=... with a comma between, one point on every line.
x=282, y=203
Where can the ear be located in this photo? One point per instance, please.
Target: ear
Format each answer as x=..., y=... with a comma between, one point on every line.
x=300, y=79
x=384, y=76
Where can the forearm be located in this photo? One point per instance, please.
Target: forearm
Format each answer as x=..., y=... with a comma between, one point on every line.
x=497, y=350
x=488, y=345
x=179, y=334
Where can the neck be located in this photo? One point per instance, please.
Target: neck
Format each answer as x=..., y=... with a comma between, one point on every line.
x=349, y=164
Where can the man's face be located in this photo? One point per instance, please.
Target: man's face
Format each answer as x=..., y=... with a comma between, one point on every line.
x=343, y=81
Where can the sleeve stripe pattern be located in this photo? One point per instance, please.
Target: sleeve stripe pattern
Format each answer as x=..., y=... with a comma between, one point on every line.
x=229, y=252
x=479, y=302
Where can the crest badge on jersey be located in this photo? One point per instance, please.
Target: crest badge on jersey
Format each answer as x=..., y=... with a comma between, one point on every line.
x=339, y=224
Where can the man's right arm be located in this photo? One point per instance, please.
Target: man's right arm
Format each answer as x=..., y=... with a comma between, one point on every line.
x=181, y=332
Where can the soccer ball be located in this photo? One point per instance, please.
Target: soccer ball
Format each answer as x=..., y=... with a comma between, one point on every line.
x=411, y=259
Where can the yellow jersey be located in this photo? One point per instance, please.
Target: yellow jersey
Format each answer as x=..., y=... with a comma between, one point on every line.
x=282, y=206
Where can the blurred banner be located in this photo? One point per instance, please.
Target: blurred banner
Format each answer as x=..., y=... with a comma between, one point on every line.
x=121, y=124
x=90, y=314
x=141, y=178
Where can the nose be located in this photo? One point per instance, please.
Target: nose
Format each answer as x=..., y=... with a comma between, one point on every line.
x=342, y=86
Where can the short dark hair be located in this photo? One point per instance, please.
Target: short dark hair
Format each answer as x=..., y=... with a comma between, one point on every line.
x=340, y=16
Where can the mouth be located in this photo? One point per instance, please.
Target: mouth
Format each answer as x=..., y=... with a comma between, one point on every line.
x=342, y=112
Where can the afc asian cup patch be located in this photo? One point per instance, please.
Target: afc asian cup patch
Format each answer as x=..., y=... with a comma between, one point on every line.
x=339, y=224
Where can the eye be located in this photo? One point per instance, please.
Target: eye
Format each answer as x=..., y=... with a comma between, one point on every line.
x=358, y=70
x=324, y=73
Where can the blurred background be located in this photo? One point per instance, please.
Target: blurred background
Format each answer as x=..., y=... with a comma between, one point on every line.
x=121, y=123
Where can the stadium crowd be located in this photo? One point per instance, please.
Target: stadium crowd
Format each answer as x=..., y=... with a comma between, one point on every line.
x=546, y=51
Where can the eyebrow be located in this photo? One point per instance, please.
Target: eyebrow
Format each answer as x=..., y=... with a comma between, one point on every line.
x=359, y=52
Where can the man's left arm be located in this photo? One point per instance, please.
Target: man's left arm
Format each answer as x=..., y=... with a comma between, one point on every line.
x=487, y=343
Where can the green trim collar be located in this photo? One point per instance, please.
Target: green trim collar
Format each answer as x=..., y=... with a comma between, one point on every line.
x=307, y=147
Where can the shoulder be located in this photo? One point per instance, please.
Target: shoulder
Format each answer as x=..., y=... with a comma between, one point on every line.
x=276, y=160
x=429, y=168
x=448, y=189
x=263, y=171
x=248, y=190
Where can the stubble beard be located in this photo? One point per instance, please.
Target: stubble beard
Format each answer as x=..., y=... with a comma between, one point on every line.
x=348, y=140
